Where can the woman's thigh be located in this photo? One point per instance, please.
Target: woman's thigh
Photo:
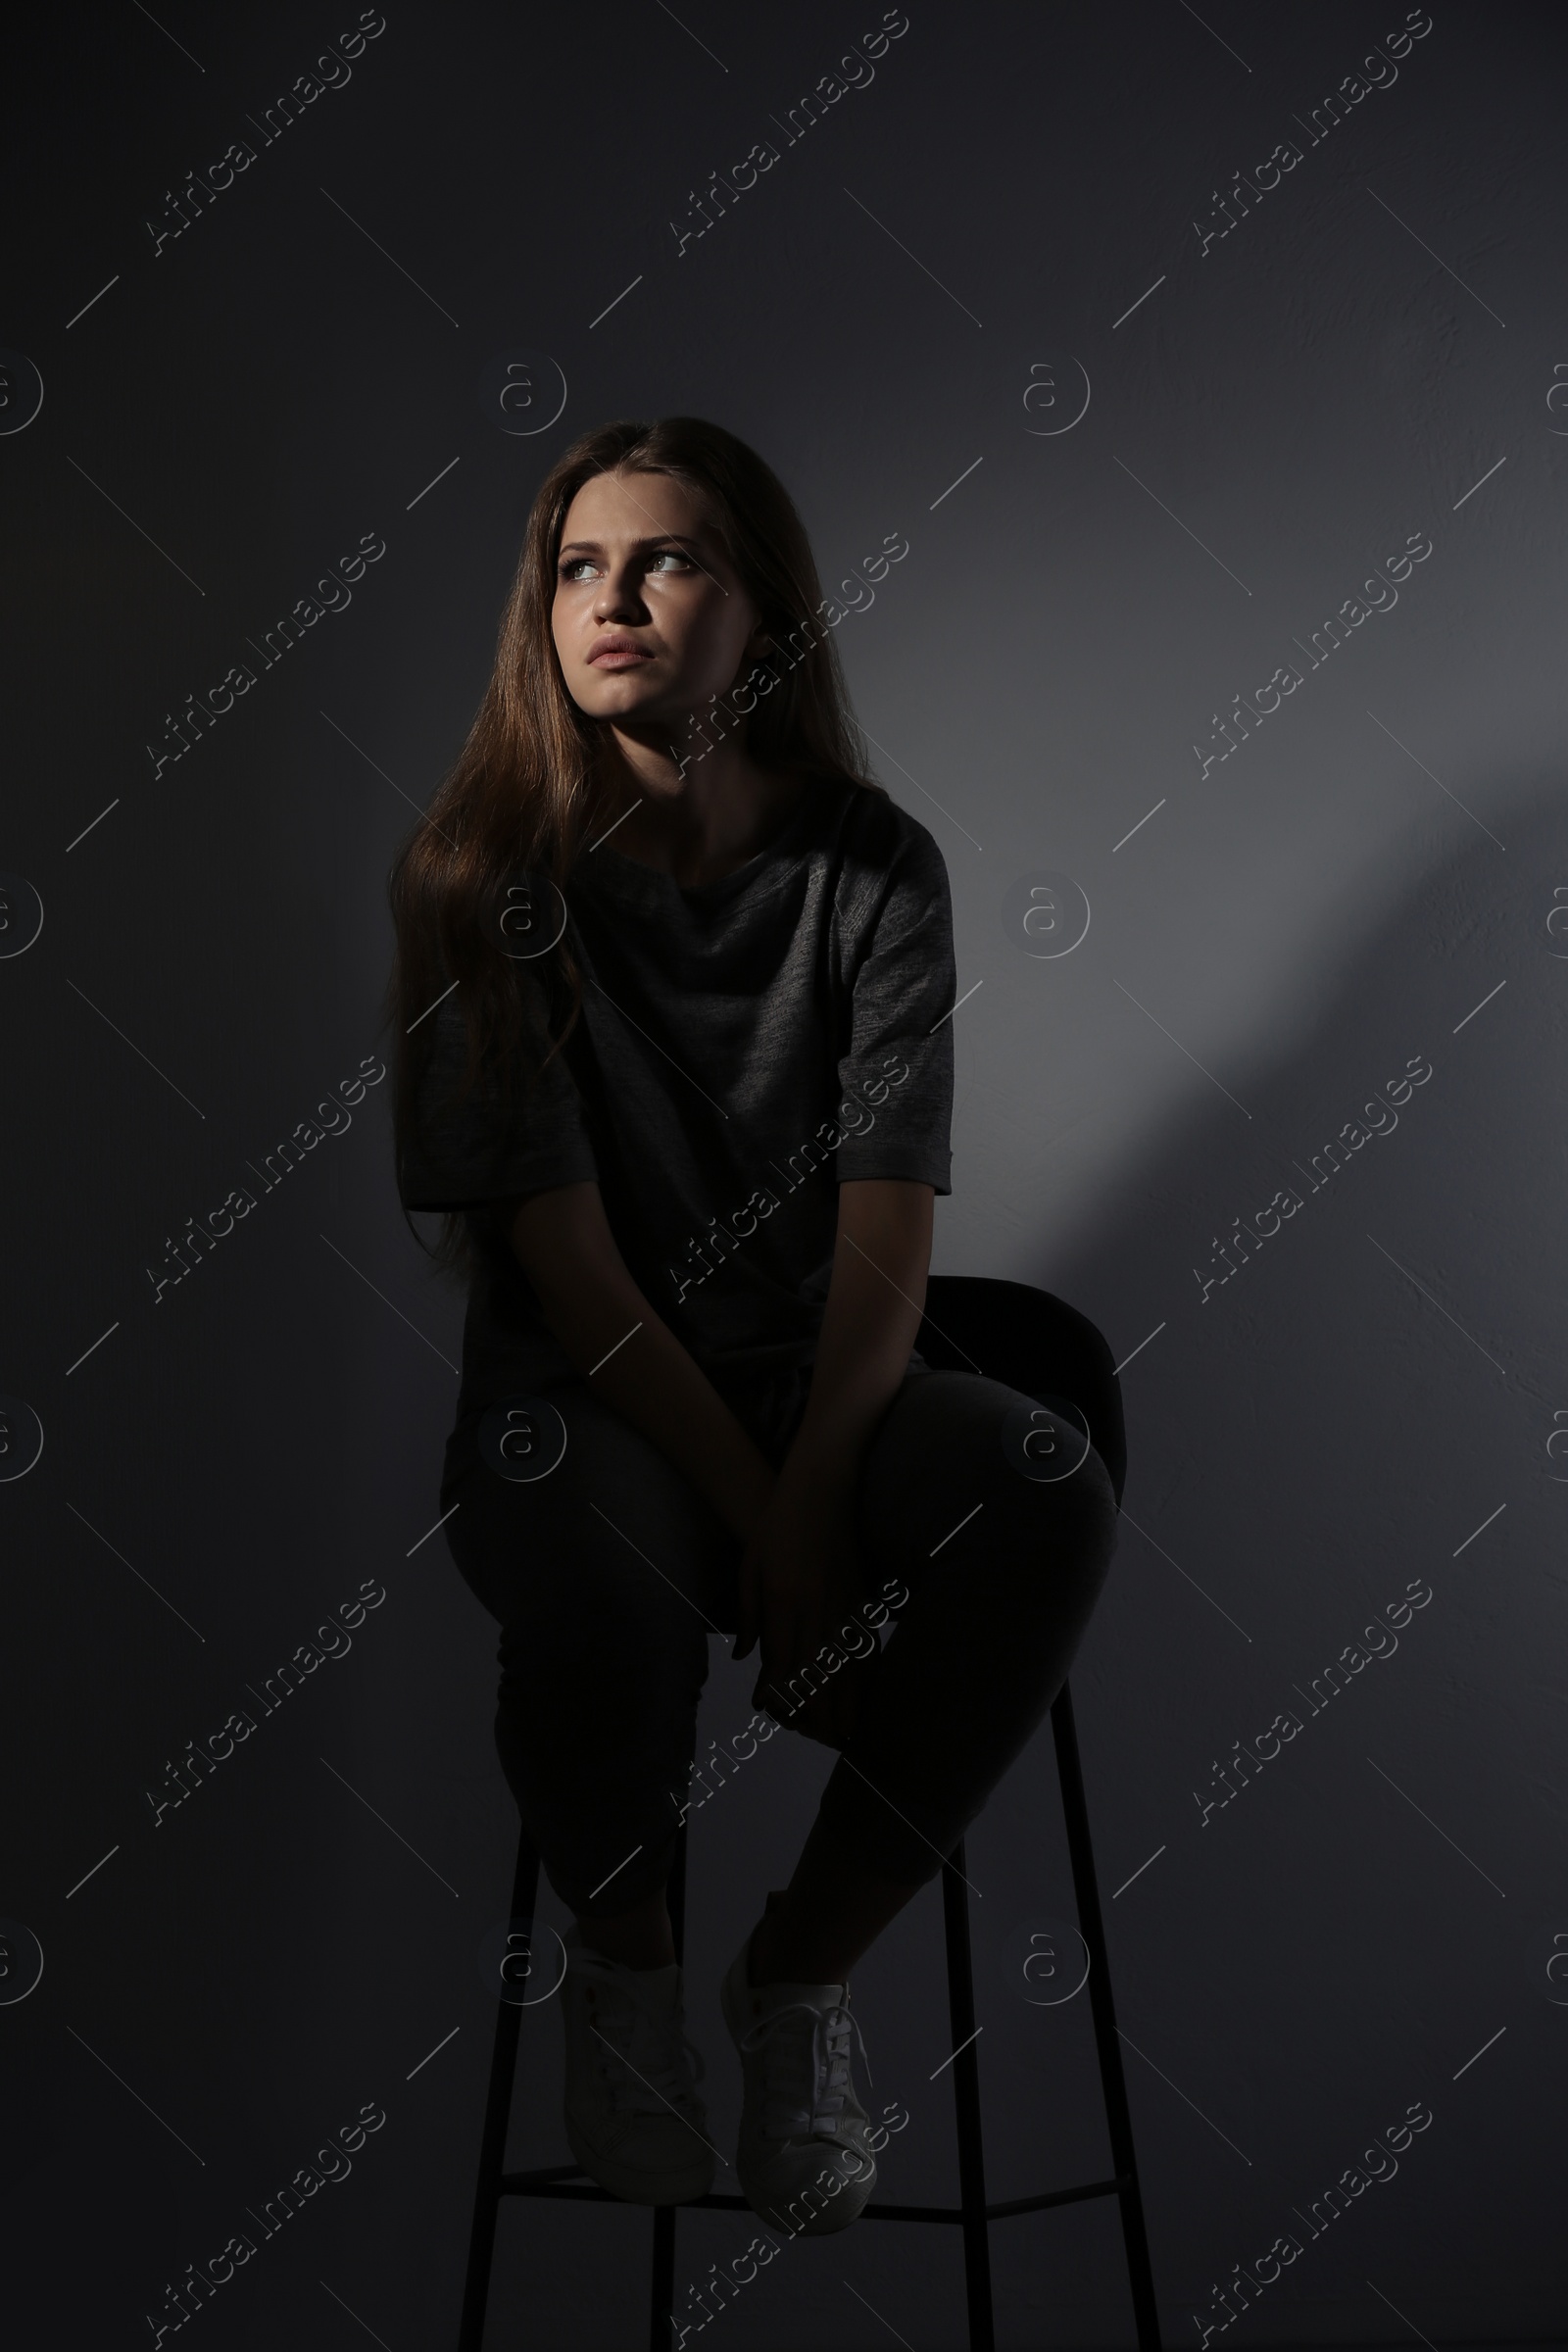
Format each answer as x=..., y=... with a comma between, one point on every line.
x=965, y=1476
x=613, y=1559
x=1002, y=1523
x=611, y=1541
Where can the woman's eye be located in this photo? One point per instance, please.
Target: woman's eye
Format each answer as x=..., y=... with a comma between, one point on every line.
x=580, y=568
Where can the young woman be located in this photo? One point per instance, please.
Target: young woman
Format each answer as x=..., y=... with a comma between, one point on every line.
x=671, y=1008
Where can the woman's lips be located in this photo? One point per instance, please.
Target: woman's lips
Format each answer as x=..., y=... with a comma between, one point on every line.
x=619, y=653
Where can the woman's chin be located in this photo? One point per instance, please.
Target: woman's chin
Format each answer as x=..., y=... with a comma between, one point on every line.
x=655, y=718
x=624, y=695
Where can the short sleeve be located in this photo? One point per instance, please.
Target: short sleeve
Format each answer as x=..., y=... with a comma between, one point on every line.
x=897, y=1074
x=464, y=1152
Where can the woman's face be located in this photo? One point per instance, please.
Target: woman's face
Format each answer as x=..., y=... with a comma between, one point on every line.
x=650, y=617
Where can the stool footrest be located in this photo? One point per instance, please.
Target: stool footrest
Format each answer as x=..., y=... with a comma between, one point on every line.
x=566, y=2181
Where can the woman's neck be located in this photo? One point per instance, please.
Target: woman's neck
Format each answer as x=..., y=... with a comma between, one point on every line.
x=697, y=823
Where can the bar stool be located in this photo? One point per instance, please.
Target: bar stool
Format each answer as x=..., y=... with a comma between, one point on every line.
x=1035, y=1343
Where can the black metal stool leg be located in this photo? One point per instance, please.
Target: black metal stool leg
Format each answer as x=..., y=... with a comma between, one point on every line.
x=967, y=2104
x=1118, y=2116
x=496, y=2116
x=662, y=2305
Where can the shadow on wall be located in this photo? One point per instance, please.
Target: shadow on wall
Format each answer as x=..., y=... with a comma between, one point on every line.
x=1366, y=1248
x=1359, y=1388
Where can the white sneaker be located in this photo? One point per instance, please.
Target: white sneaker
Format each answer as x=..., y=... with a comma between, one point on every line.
x=803, y=2160
x=634, y=2119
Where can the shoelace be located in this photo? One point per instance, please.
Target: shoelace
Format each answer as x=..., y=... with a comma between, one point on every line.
x=805, y=2082
x=660, y=2063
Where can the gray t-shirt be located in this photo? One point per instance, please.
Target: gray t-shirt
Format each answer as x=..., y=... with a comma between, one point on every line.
x=743, y=1047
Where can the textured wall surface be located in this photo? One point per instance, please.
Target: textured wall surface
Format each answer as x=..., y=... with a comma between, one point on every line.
x=1214, y=370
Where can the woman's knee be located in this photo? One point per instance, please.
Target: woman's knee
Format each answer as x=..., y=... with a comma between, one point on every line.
x=958, y=1448
x=610, y=1553
x=1041, y=1454
x=1072, y=1516
x=581, y=1645
x=1054, y=1506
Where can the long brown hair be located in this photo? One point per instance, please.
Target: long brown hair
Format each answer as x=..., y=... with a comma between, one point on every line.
x=523, y=787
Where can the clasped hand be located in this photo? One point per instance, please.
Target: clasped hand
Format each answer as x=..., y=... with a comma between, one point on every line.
x=801, y=1578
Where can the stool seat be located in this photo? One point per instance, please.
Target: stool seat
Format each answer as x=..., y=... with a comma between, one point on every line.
x=1036, y=1342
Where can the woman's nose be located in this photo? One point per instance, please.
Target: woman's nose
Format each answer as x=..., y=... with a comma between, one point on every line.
x=619, y=597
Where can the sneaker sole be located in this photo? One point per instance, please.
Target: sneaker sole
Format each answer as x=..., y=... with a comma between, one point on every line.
x=839, y=2213
x=635, y=2188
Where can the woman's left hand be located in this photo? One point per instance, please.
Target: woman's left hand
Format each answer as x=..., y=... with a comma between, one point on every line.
x=801, y=1579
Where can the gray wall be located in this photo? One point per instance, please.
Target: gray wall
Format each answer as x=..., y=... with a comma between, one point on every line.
x=1366, y=879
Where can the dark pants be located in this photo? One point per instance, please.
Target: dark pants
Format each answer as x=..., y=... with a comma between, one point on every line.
x=606, y=1575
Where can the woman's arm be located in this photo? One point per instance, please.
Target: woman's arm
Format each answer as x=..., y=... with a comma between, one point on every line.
x=875, y=1302
x=800, y=1573
x=563, y=1240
